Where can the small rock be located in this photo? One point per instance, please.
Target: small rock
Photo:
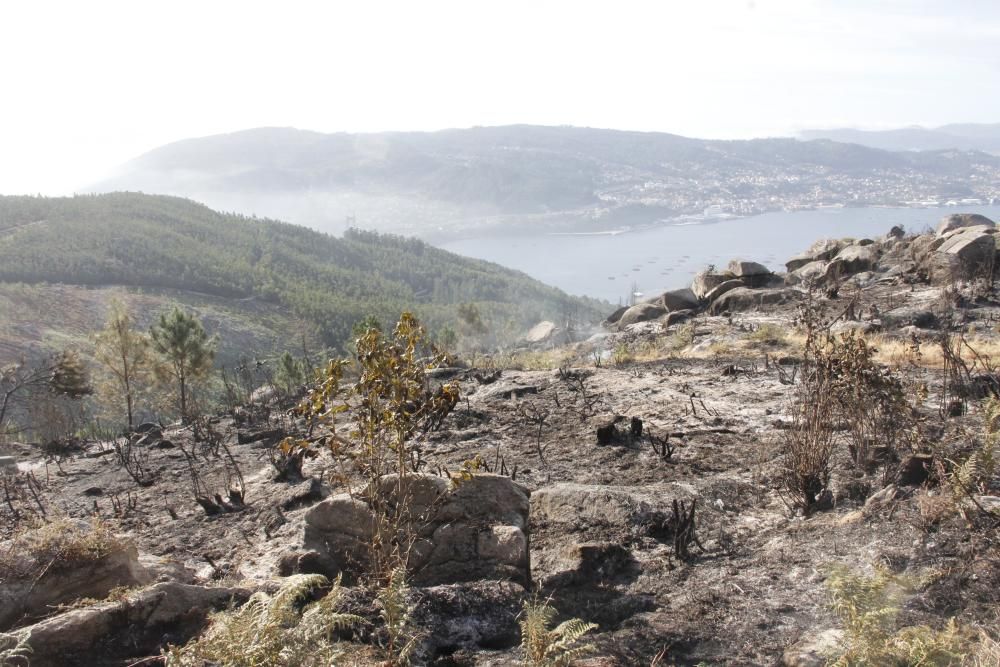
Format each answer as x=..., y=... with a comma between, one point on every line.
x=814, y=650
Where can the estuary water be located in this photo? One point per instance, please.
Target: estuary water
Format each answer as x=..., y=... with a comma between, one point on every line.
x=607, y=266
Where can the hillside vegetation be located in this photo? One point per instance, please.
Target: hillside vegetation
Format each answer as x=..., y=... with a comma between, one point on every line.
x=172, y=246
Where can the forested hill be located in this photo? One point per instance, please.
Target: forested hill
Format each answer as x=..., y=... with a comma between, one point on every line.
x=525, y=179
x=145, y=241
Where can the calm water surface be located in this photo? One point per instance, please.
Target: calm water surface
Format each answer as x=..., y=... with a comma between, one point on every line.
x=667, y=257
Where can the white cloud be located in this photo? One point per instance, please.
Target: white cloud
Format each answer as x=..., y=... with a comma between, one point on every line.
x=88, y=85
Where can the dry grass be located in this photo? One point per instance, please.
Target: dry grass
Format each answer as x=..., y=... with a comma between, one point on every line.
x=987, y=651
x=57, y=545
x=901, y=352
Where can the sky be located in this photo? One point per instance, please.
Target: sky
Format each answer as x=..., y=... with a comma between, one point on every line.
x=89, y=85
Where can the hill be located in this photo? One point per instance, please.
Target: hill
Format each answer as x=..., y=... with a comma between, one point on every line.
x=263, y=281
x=967, y=137
x=517, y=178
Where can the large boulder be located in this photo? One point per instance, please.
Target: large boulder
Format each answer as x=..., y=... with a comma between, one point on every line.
x=743, y=299
x=541, y=332
x=962, y=256
x=821, y=250
x=742, y=269
x=466, y=533
x=641, y=312
x=679, y=299
x=958, y=220
x=707, y=280
x=811, y=272
x=849, y=261
x=614, y=317
x=857, y=258
x=721, y=289
x=27, y=593
x=166, y=612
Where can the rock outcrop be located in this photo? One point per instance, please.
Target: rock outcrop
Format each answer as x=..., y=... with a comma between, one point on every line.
x=146, y=620
x=681, y=299
x=822, y=250
x=541, y=332
x=470, y=532
x=707, y=280
x=34, y=596
x=958, y=220
x=743, y=299
x=641, y=312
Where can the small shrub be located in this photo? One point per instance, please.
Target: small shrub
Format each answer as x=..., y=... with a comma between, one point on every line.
x=545, y=646
x=870, y=398
x=390, y=403
x=621, y=355
x=768, y=334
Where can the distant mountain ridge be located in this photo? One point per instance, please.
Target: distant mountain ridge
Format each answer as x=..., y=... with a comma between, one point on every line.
x=958, y=136
x=530, y=178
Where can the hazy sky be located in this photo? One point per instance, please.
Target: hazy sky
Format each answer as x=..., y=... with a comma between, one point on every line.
x=87, y=85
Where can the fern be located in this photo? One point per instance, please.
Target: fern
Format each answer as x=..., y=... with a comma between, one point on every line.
x=868, y=607
x=269, y=630
x=14, y=650
x=551, y=648
x=974, y=474
x=401, y=638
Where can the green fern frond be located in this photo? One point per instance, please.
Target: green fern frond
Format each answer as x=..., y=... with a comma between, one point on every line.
x=868, y=608
x=551, y=648
x=402, y=639
x=270, y=630
x=975, y=473
x=14, y=649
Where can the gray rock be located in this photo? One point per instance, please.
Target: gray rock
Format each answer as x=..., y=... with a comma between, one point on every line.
x=8, y=464
x=37, y=594
x=705, y=281
x=959, y=220
x=850, y=325
x=980, y=229
x=721, y=289
x=572, y=526
x=614, y=317
x=811, y=272
x=742, y=269
x=138, y=623
x=680, y=299
x=677, y=316
x=849, y=261
x=541, y=332
x=821, y=250
x=470, y=532
x=962, y=256
x=641, y=312
x=743, y=299
x=815, y=650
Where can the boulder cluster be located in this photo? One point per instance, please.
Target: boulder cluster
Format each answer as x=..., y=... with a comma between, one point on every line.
x=963, y=247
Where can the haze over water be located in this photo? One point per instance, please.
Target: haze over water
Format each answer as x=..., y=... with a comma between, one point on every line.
x=667, y=257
